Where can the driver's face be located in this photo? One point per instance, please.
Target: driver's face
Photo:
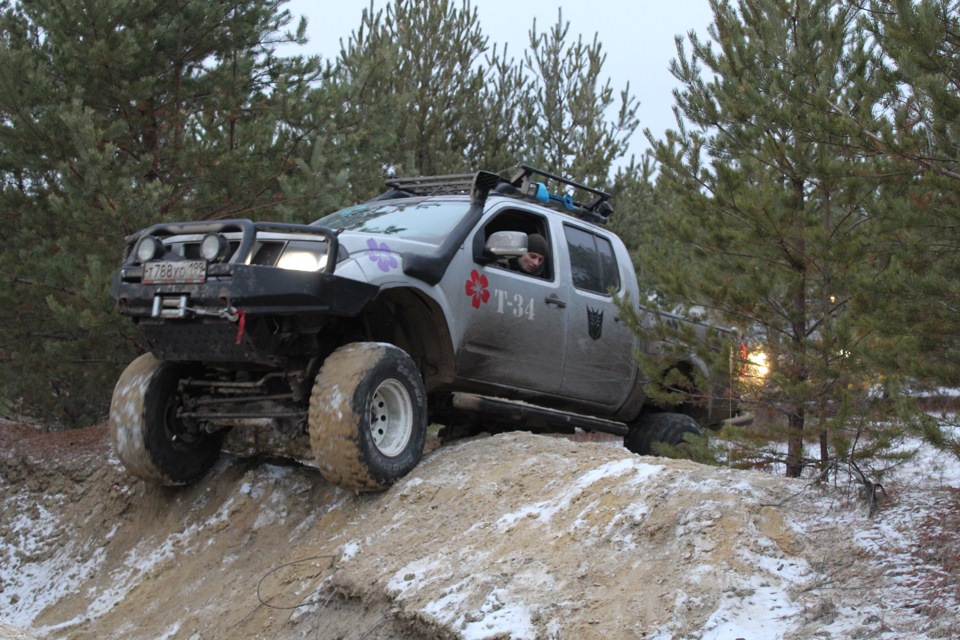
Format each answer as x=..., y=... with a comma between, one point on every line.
x=530, y=262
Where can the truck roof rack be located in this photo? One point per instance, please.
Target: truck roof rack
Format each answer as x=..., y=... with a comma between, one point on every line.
x=478, y=185
x=597, y=210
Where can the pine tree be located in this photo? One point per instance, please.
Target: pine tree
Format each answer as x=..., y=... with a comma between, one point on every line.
x=419, y=87
x=117, y=115
x=763, y=210
x=508, y=96
x=634, y=202
x=919, y=42
x=918, y=132
x=573, y=133
x=436, y=98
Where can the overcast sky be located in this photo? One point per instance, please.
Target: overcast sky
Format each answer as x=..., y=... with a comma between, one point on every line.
x=637, y=36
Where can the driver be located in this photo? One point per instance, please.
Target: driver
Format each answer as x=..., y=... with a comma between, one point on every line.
x=533, y=260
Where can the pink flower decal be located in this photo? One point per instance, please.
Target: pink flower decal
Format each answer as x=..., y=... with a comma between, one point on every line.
x=477, y=288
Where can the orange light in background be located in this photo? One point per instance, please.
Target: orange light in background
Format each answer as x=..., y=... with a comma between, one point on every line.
x=757, y=366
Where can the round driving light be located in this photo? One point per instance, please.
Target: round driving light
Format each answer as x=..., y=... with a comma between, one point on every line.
x=149, y=248
x=213, y=247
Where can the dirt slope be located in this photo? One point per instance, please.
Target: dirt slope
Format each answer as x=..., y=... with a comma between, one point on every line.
x=512, y=536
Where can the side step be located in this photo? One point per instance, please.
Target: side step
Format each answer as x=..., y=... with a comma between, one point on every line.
x=523, y=413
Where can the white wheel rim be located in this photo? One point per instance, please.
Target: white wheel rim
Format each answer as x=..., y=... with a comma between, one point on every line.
x=391, y=418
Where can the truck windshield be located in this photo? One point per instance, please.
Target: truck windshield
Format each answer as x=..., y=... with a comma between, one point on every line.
x=422, y=220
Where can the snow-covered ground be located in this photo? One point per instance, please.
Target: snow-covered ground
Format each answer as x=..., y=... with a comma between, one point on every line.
x=512, y=536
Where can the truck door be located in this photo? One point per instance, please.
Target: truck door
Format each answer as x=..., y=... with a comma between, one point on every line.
x=599, y=365
x=514, y=322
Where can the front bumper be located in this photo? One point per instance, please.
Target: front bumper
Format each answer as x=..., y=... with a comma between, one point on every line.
x=242, y=313
x=250, y=288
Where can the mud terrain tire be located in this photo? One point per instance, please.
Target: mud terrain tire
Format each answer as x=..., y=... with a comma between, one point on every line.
x=368, y=416
x=665, y=428
x=150, y=440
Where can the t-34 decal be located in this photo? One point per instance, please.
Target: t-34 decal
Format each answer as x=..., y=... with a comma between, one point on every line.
x=518, y=305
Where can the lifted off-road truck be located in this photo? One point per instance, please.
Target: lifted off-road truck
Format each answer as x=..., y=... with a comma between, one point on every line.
x=373, y=322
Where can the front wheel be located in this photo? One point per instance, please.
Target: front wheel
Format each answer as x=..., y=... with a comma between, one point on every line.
x=368, y=416
x=151, y=440
x=660, y=428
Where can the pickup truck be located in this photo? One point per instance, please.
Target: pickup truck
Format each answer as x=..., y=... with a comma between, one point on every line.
x=361, y=329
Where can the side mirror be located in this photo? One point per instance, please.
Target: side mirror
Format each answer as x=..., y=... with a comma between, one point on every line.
x=506, y=244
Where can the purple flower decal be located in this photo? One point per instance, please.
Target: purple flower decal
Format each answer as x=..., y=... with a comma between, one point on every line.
x=382, y=255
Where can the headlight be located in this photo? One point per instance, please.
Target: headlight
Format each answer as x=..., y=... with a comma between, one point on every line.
x=214, y=247
x=304, y=256
x=149, y=248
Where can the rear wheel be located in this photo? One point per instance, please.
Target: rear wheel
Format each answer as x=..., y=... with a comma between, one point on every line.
x=152, y=442
x=660, y=428
x=368, y=416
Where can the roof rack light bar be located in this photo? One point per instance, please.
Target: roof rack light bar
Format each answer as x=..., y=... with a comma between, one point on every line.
x=598, y=210
x=526, y=171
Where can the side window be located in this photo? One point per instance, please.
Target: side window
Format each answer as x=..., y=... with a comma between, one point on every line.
x=512, y=220
x=608, y=264
x=592, y=263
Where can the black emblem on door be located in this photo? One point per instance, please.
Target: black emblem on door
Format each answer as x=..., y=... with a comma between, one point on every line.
x=594, y=322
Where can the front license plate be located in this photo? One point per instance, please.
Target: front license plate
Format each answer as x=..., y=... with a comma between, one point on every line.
x=189, y=272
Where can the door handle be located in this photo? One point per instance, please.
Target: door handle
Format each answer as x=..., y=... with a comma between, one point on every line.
x=555, y=299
